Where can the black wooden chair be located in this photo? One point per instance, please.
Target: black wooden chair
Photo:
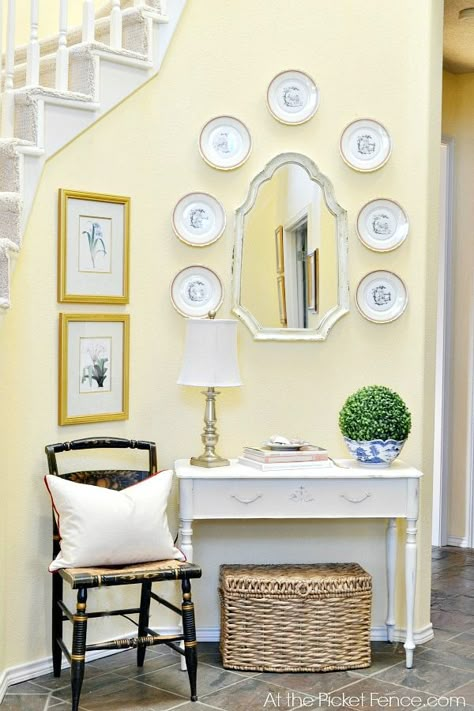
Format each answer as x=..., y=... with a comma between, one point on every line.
x=81, y=579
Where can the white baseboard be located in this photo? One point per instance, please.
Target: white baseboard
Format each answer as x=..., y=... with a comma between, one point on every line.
x=458, y=542
x=31, y=670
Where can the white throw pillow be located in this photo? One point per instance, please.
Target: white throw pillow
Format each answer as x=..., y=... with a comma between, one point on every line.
x=100, y=527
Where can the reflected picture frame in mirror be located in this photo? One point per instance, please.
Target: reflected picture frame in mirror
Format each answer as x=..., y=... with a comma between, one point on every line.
x=342, y=305
x=312, y=280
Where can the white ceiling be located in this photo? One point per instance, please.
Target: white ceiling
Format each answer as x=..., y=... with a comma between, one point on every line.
x=458, y=42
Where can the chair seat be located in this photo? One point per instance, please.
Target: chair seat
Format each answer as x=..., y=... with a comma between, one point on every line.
x=139, y=572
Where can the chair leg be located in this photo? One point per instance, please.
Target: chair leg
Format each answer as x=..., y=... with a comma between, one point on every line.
x=189, y=632
x=57, y=623
x=78, y=656
x=143, y=620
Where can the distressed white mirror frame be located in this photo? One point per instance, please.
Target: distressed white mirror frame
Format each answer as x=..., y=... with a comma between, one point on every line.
x=261, y=333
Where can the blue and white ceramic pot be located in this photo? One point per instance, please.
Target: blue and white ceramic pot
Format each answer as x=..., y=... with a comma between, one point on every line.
x=375, y=452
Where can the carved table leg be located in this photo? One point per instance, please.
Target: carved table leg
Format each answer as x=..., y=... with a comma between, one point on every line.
x=410, y=573
x=391, y=543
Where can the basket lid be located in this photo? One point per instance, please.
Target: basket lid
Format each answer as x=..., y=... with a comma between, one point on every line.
x=295, y=579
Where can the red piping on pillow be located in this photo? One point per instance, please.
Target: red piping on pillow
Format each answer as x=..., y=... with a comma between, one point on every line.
x=57, y=519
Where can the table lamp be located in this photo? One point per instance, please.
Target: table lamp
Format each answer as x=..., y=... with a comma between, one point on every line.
x=210, y=360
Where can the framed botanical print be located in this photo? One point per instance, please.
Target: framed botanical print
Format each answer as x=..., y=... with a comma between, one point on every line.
x=93, y=252
x=93, y=367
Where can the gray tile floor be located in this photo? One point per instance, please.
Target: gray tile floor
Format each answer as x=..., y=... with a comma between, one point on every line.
x=442, y=677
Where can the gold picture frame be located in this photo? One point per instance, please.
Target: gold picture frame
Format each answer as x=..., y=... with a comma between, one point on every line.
x=279, y=250
x=312, y=281
x=282, y=299
x=93, y=368
x=93, y=248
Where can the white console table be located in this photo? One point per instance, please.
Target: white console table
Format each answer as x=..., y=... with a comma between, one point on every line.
x=345, y=491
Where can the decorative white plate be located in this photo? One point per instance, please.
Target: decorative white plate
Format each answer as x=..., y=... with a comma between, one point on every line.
x=195, y=291
x=292, y=97
x=381, y=296
x=198, y=219
x=382, y=225
x=225, y=142
x=290, y=444
x=365, y=145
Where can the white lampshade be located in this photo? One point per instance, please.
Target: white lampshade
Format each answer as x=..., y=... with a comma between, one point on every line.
x=210, y=353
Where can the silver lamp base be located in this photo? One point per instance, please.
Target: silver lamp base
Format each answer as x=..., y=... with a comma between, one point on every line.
x=209, y=458
x=208, y=461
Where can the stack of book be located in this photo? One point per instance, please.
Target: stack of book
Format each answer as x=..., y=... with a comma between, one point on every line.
x=267, y=459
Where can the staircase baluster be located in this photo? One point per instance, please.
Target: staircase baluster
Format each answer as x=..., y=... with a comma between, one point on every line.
x=33, y=51
x=8, y=101
x=116, y=25
x=62, y=56
x=88, y=19
x=1, y=44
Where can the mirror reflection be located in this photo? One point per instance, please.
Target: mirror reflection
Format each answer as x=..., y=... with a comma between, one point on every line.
x=290, y=252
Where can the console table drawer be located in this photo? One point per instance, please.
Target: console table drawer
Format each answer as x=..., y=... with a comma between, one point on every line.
x=295, y=498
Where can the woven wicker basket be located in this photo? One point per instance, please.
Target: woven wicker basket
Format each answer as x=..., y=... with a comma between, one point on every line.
x=295, y=617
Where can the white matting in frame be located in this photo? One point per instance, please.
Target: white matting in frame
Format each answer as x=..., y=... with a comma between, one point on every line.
x=93, y=367
x=93, y=248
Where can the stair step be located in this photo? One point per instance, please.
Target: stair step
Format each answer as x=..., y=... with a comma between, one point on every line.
x=9, y=166
x=135, y=41
x=49, y=45
x=47, y=76
x=27, y=116
x=10, y=217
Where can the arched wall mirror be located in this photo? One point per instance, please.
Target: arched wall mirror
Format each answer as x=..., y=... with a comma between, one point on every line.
x=290, y=255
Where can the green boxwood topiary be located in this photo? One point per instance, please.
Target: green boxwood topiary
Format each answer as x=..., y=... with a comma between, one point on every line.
x=375, y=412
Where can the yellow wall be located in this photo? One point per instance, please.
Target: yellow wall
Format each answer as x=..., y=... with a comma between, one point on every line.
x=458, y=123
x=147, y=148
x=259, y=276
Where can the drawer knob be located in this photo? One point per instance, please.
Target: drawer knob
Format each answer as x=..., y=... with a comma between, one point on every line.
x=246, y=501
x=356, y=501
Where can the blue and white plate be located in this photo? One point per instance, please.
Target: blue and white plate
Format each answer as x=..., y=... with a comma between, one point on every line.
x=365, y=145
x=292, y=97
x=195, y=291
x=381, y=296
x=382, y=225
x=198, y=219
x=225, y=142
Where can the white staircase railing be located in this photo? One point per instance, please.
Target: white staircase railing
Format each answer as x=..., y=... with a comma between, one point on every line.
x=8, y=102
x=33, y=52
x=88, y=21
x=116, y=26
x=62, y=55
x=54, y=87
